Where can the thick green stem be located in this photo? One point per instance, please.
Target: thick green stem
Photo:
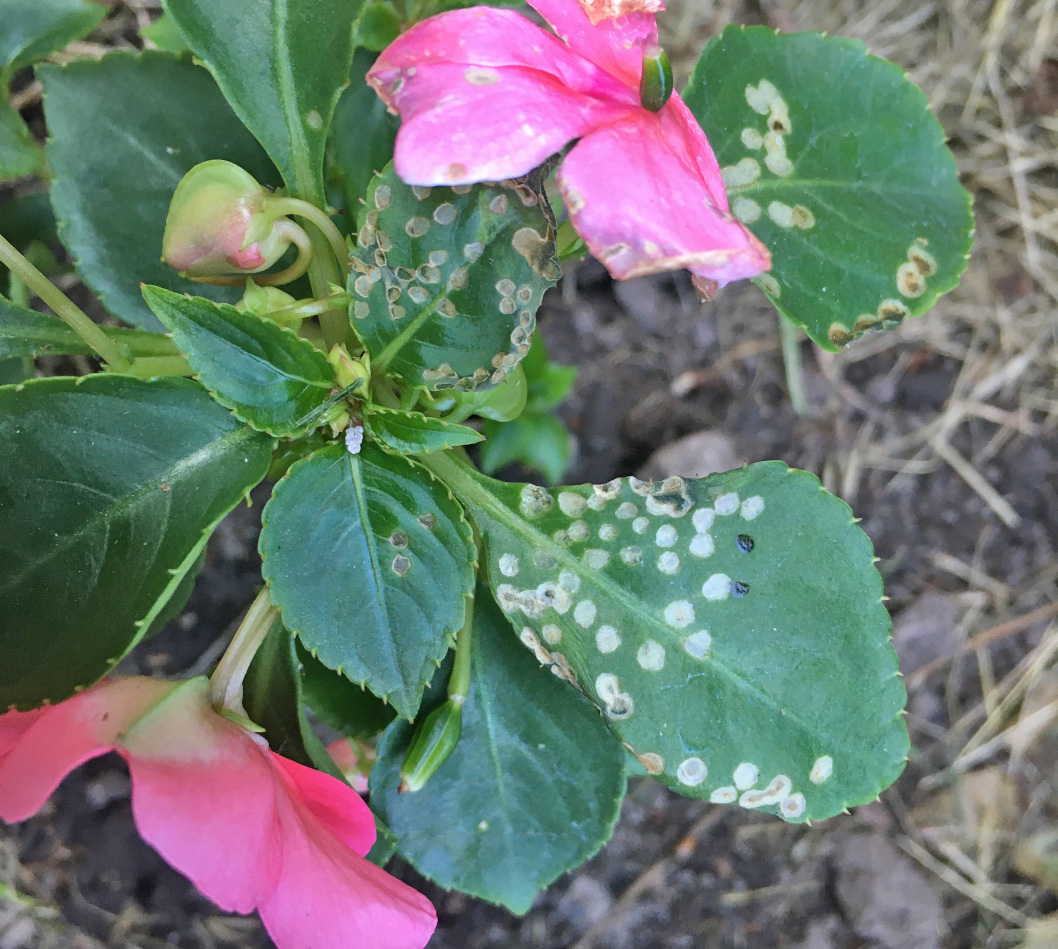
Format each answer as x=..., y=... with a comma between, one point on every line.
x=227, y=679
x=791, y=357
x=312, y=213
x=459, y=683
x=147, y=367
x=63, y=307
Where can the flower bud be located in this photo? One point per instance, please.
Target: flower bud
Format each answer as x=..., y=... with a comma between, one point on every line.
x=260, y=301
x=217, y=223
x=434, y=740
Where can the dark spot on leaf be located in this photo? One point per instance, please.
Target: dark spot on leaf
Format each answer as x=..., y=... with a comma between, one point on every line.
x=744, y=543
x=739, y=588
x=401, y=565
x=427, y=521
x=398, y=539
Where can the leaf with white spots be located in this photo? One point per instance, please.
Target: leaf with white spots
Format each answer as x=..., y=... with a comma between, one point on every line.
x=445, y=282
x=531, y=791
x=832, y=158
x=724, y=627
x=412, y=433
x=369, y=559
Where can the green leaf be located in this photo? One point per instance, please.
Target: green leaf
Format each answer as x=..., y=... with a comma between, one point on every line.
x=378, y=25
x=549, y=382
x=538, y=440
x=124, y=130
x=412, y=433
x=19, y=154
x=362, y=134
x=272, y=697
x=269, y=377
x=30, y=30
x=282, y=65
x=15, y=370
x=165, y=34
x=109, y=489
x=342, y=704
x=446, y=281
x=833, y=160
x=532, y=789
x=29, y=333
x=368, y=557
x=730, y=629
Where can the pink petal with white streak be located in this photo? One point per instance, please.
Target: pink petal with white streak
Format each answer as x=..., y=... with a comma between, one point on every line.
x=666, y=219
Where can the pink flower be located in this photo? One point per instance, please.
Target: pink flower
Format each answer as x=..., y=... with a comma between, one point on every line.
x=250, y=828
x=486, y=95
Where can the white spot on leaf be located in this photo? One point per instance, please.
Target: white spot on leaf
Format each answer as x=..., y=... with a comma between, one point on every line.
x=717, y=587
x=509, y=565
x=746, y=775
x=751, y=507
x=679, y=613
x=651, y=656
x=692, y=772
x=821, y=770
x=584, y=613
x=699, y=645
x=607, y=640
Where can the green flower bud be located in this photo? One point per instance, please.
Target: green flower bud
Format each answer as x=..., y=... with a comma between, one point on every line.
x=655, y=86
x=260, y=301
x=434, y=740
x=218, y=223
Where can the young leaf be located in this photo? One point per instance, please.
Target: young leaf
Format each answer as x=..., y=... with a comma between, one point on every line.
x=19, y=154
x=124, y=130
x=30, y=30
x=269, y=377
x=446, y=282
x=369, y=557
x=29, y=333
x=412, y=433
x=537, y=439
x=342, y=704
x=282, y=65
x=109, y=489
x=532, y=789
x=731, y=629
x=832, y=158
x=164, y=34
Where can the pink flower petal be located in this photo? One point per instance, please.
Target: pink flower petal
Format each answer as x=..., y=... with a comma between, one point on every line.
x=334, y=804
x=328, y=896
x=599, y=10
x=488, y=133
x=666, y=217
x=63, y=736
x=203, y=795
x=616, y=45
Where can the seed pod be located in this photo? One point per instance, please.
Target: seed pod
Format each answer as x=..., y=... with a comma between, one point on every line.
x=435, y=739
x=655, y=86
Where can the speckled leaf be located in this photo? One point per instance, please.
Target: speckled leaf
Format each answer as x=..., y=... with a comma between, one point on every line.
x=19, y=154
x=29, y=333
x=124, y=130
x=730, y=629
x=832, y=158
x=531, y=791
x=446, y=282
x=369, y=558
x=30, y=30
x=268, y=376
x=412, y=433
x=282, y=65
x=109, y=490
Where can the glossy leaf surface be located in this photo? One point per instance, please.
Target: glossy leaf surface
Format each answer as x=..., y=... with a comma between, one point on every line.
x=282, y=65
x=446, y=283
x=109, y=489
x=731, y=629
x=369, y=558
x=30, y=30
x=412, y=433
x=832, y=158
x=268, y=376
x=532, y=789
x=124, y=130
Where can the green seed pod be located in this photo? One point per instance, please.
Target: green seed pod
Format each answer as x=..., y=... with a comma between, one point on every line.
x=655, y=87
x=434, y=741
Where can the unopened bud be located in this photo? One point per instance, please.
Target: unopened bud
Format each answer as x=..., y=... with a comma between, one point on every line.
x=655, y=85
x=217, y=223
x=260, y=301
x=434, y=740
x=346, y=369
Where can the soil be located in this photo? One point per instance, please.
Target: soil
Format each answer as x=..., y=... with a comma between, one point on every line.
x=942, y=435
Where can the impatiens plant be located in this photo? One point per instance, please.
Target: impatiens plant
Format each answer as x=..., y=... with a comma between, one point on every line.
x=341, y=301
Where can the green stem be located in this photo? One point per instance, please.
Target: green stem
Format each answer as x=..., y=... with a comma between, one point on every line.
x=296, y=206
x=791, y=357
x=459, y=683
x=147, y=367
x=63, y=307
x=303, y=309
x=227, y=679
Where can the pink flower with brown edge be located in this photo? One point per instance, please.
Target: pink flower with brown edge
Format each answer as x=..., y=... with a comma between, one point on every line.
x=485, y=95
x=251, y=829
